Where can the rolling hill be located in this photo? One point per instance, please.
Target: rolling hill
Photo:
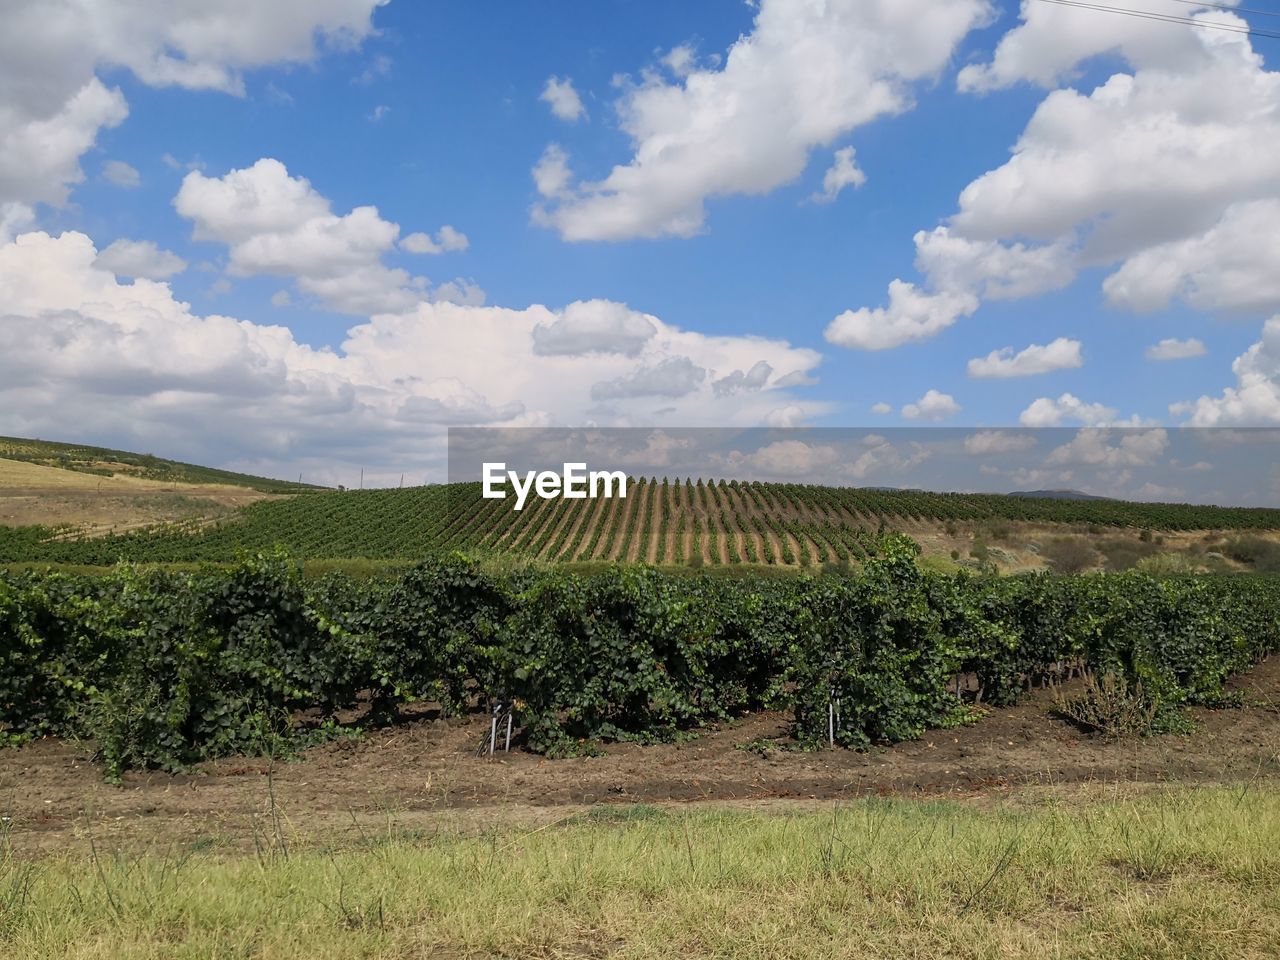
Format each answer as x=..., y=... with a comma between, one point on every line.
x=660, y=521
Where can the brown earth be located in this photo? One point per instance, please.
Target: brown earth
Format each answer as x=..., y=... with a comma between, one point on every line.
x=34, y=494
x=426, y=773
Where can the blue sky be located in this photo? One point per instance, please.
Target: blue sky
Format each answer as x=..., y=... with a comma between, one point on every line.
x=435, y=115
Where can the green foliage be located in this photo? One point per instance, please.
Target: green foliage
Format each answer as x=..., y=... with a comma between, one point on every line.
x=165, y=669
x=770, y=524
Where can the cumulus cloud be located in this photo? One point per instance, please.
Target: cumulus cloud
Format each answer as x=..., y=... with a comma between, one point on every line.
x=1112, y=448
x=1172, y=348
x=827, y=68
x=279, y=225
x=738, y=380
x=1234, y=265
x=842, y=173
x=446, y=240
x=594, y=326
x=1152, y=173
x=673, y=377
x=881, y=408
x=787, y=458
x=551, y=174
x=911, y=315
x=1048, y=412
x=989, y=442
x=140, y=258
x=932, y=406
x=563, y=99
x=1060, y=354
x=91, y=356
x=53, y=104
x=883, y=459
x=1255, y=398
x=121, y=174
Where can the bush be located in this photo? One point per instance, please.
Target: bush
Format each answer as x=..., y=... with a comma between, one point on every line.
x=1263, y=555
x=1069, y=555
x=1111, y=706
x=164, y=670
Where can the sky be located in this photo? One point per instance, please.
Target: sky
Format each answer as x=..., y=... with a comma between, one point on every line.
x=305, y=238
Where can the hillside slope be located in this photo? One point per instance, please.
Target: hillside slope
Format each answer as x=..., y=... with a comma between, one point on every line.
x=81, y=490
x=662, y=522
x=105, y=462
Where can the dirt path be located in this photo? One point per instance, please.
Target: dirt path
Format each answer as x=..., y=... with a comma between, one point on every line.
x=426, y=769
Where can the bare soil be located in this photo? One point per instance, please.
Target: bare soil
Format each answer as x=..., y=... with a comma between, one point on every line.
x=33, y=494
x=426, y=772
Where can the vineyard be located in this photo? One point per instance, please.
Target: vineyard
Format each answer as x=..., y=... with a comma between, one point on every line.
x=662, y=522
x=165, y=669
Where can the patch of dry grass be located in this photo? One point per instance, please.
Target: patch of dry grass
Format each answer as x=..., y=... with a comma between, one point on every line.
x=1181, y=873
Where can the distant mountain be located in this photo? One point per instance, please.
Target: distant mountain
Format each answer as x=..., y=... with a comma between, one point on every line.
x=1056, y=495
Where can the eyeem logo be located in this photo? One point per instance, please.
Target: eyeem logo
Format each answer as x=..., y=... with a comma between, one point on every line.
x=573, y=483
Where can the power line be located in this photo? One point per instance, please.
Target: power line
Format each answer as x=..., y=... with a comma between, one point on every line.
x=1168, y=18
x=1228, y=8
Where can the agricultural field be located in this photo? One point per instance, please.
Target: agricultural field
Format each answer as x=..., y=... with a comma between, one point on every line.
x=210, y=752
x=248, y=762
x=682, y=523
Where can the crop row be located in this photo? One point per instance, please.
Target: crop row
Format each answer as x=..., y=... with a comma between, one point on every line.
x=163, y=669
x=663, y=521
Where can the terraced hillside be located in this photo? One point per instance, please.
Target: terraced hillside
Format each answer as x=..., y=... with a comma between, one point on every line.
x=663, y=521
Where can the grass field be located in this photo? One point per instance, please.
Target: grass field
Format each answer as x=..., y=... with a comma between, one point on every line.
x=1175, y=873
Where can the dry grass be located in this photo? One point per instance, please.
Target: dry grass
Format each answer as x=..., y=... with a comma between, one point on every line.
x=1183, y=873
x=34, y=494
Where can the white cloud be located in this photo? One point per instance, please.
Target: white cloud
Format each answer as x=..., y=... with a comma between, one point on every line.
x=53, y=105
x=842, y=173
x=989, y=268
x=140, y=258
x=128, y=364
x=1154, y=172
x=989, y=442
x=551, y=174
x=563, y=99
x=463, y=292
x=15, y=218
x=121, y=174
x=1051, y=40
x=279, y=225
x=447, y=239
x=1094, y=446
x=806, y=75
x=1172, y=348
x=681, y=60
x=378, y=113
x=912, y=315
x=281, y=298
x=1048, y=412
x=1234, y=265
x=1255, y=398
x=932, y=406
x=881, y=408
x=787, y=458
x=1060, y=354
x=595, y=326
x=883, y=459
